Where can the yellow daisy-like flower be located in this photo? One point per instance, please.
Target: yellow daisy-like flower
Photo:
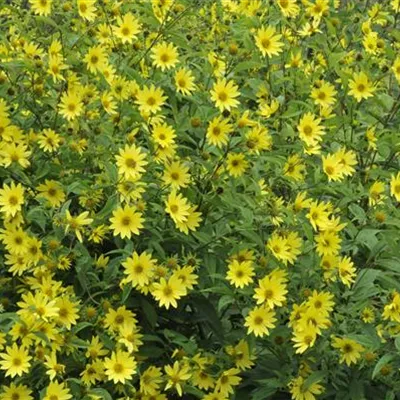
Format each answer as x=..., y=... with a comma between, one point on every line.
x=11, y=199
x=126, y=221
x=120, y=367
x=52, y=191
x=139, y=269
x=15, y=361
x=240, y=274
x=164, y=55
x=177, y=175
x=87, y=10
x=394, y=186
x=224, y=94
x=350, y=350
x=236, y=164
x=260, y=320
x=57, y=391
x=324, y=94
x=95, y=59
x=310, y=130
x=164, y=135
x=218, y=131
x=13, y=392
x=128, y=28
x=167, y=292
x=177, y=207
x=71, y=105
x=150, y=99
x=131, y=162
x=177, y=374
x=361, y=87
x=268, y=41
x=41, y=7
x=301, y=391
x=184, y=81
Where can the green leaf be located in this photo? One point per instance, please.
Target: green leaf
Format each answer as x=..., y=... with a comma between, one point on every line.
x=208, y=311
x=382, y=361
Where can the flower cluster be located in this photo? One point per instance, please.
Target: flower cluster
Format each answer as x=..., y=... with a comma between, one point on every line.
x=199, y=199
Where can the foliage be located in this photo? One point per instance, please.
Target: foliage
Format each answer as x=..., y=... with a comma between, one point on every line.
x=199, y=199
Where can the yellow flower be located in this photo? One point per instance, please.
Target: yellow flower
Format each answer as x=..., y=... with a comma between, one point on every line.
x=177, y=207
x=126, y=221
x=95, y=59
x=15, y=361
x=350, y=350
x=218, y=131
x=164, y=55
x=14, y=391
x=310, y=130
x=271, y=291
x=394, y=186
x=71, y=105
x=76, y=223
x=184, y=81
x=167, y=292
x=227, y=380
x=300, y=390
x=131, y=162
x=52, y=192
x=361, y=87
x=87, y=10
x=260, y=320
x=177, y=374
x=176, y=174
x=57, y=391
x=49, y=140
x=236, y=164
x=224, y=94
x=150, y=99
x=41, y=7
x=268, y=42
x=163, y=135
x=289, y=8
x=11, y=199
x=139, y=269
x=128, y=28
x=240, y=274
x=324, y=94
x=150, y=380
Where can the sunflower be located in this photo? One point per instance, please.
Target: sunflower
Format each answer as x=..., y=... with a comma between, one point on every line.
x=126, y=221
x=139, y=269
x=310, y=130
x=224, y=94
x=236, y=164
x=131, y=162
x=361, y=87
x=11, y=199
x=191, y=223
x=324, y=94
x=268, y=42
x=49, y=141
x=184, y=81
x=16, y=392
x=176, y=375
x=150, y=99
x=15, y=361
x=164, y=135
x=52, y=191
x=71, y=105
x=260, y=320
x=95, y=59
x=128, y=28
x=176, y=174
x=167, y=292
x=177, y=207
x=87, y=10
x=350, y=350
x=240, y=274
x=218, y=131
x=394, y=186
x=164, y=55
x=300, y=390
x=41, y=7
x=271, y=291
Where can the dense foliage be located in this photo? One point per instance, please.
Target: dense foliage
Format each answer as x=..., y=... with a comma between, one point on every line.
x=199, y=199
